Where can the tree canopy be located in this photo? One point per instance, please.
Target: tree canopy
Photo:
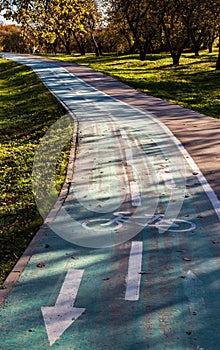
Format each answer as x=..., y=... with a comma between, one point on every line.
x=129, y=26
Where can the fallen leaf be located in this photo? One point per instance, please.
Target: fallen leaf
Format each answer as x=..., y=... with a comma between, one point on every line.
x=199, y=216
x=186, y=259
x=195, y=313
x=40, y=265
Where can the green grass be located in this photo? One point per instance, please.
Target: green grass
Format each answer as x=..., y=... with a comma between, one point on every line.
x=27, y=110
x=194, y=84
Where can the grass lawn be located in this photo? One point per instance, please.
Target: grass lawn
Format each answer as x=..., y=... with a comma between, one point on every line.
x=194, y=84
x=27, y=110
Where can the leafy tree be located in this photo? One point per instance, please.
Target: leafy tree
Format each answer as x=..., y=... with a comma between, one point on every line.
x=141, y=16
x=117, y=34
x=92, y=24
x=55, y=20
x=218, y=60
x=175, y=31
x=10, y=39
x=199, y=18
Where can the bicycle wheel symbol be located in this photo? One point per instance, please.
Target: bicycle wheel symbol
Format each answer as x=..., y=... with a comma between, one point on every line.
x=157, y=221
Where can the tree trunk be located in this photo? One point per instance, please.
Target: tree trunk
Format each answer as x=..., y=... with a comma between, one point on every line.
x=175, y=54
x=100, y=47
x=96, y=46
x=144, y=49
x=195, y=44
x=82, y=50
x=142, y=55
x=80, y=45
x=66, y=38
x=130, y=44
x=54, y=49
x=218, y=60
x=176, y=59
x=218, y=63
x=67, y=47
x=196, y=52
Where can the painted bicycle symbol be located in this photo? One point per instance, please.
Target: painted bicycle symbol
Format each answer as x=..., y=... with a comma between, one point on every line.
x=156, y=221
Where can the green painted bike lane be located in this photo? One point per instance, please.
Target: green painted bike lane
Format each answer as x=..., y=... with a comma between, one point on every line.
x=130, y=182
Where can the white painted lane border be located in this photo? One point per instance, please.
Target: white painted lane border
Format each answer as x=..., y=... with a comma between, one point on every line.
x=195, y=169
x=206, y=187
x=135, y=194
x=134, y=269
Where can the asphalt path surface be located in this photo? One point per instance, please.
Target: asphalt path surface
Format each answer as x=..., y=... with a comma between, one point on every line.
x=131, y=260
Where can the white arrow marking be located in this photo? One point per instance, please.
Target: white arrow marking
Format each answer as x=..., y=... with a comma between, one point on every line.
x=59, y=317
x=134, y=269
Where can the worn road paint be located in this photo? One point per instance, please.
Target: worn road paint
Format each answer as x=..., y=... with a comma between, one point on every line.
x=167, y=178
x=193, y=287
x=195, y=169
x=59, y=317
x=123, y=134
x=134, y=269
x=135, y=194
x=129, y=157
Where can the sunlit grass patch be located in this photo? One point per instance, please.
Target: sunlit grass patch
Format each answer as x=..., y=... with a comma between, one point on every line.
x=27, y=110
x=195, y=84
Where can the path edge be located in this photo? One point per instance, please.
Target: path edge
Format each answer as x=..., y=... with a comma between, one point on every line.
x=22, y=262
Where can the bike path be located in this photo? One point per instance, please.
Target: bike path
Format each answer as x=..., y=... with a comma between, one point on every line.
x=126, y=276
